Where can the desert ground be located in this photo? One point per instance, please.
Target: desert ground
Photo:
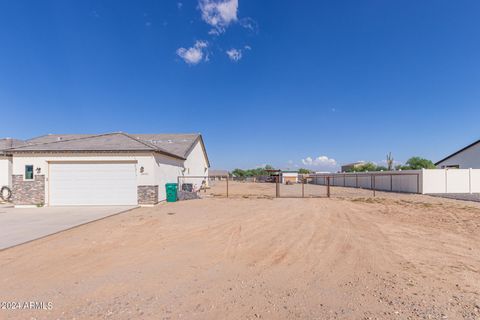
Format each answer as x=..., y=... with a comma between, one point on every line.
x=251, y=256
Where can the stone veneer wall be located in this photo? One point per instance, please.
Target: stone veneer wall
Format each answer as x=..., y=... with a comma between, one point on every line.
x=28, y=192
x=147, y=194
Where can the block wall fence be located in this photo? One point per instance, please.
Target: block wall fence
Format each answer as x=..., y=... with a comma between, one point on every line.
x=425, y=181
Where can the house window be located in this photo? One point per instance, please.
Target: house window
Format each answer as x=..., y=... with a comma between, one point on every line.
x=28, y=172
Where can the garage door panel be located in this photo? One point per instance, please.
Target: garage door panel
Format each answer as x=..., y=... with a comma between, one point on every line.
x=93, y=184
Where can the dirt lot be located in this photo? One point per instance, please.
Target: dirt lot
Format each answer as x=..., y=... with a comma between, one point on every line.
x=392, y=257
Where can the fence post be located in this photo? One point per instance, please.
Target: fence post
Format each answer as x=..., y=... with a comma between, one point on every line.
x=227, y=186
x=328, y=187
x=373, y=184
x=391, y=182
x=277, y=188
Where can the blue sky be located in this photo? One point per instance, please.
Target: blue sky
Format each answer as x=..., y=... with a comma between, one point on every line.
x=266, y=81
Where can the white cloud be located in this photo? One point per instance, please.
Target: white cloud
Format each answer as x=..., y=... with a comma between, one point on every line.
x=321, y=161
x=234, y=54
x=250, y=24
x=219, y=13
x=195, y=54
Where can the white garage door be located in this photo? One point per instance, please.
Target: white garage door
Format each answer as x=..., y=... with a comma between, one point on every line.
x=93, y=184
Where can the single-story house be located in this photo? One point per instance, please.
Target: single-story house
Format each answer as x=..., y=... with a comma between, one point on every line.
x=218, y=174
x=352, y=166
x=289, y=176
x=465, y=158
x=104, y=169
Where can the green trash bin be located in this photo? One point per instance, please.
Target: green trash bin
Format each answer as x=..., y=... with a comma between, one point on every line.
x=171, y=191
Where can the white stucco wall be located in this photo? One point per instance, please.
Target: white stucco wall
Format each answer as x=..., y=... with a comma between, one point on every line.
x=166, y=170
x=41, y=161
x=5, y=171
x=466, y=159
x=196, y=165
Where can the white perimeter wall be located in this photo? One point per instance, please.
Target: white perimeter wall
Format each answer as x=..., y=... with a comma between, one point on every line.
x=430, y=181
x=451, y=181
x=5, y=171
x=396, y=181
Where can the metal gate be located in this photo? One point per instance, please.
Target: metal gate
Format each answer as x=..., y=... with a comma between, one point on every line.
x=304, y=188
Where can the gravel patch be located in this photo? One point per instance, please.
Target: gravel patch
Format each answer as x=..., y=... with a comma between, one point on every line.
x=459, y=196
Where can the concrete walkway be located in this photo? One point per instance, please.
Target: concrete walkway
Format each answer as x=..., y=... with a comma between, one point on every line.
x=20, y=225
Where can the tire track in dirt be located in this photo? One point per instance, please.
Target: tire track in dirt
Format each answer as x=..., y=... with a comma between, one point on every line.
x=258, y=258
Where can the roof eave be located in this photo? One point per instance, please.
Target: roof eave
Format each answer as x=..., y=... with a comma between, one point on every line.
x=97, y=151
x=79, y=151
x=169, y=154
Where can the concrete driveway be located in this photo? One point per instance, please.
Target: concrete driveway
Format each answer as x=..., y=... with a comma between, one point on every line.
x=20, y=225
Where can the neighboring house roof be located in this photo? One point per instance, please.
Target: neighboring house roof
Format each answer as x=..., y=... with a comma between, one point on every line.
x=459, y=151
x=218, y=173
x=8, y=143
x=353, y=163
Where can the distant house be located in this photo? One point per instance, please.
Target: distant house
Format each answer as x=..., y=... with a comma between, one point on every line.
x=218, y=174
x=352, y=166
x=289, y=176
x=465, y=158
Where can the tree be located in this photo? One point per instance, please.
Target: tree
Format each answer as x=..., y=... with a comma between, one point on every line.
x=304, y=171
x=368, y=166
x=239, y=173
x=417, y=163
x=252, y=172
